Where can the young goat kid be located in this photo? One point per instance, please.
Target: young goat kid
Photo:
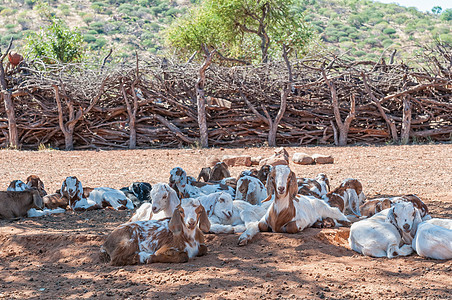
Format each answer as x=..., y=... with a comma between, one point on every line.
x=382, y=234
x=171, y=240
x=290, y=212
x=434, y=239
x=164, y=202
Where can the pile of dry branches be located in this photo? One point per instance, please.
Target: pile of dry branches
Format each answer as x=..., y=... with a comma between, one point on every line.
x=153, y=103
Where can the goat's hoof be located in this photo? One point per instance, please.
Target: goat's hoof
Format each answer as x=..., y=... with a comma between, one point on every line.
x=243, y=242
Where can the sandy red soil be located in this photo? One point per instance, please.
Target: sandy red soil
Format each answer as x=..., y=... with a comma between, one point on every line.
x=57, y=256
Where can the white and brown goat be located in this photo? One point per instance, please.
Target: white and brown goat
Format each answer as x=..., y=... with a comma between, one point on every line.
x=347, y=197
x=290, y=212
x=317, y=187
x=170, y=240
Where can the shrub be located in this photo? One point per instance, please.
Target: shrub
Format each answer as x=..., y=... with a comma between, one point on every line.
x=89, y=38
x=360, y=53
x=386, y=43
x=344, y=39
x=57, y=42
x=10, y=26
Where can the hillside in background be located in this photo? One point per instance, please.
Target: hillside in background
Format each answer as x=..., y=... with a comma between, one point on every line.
x=360, y=28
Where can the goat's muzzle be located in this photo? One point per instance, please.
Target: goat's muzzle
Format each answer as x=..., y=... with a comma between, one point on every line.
x=228, y=214
x=406, y=227
x=281, y=189
x=191, y=224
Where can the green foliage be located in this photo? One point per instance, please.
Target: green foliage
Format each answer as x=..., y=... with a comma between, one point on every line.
x=56, y=42
x=389, y=31
x=445, y=16
x=240, y=28
x=437, y=10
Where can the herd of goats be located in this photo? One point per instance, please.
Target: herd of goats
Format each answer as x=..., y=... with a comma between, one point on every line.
x=171, y=218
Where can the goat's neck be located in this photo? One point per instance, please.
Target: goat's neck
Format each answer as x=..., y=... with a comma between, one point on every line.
x=281, y=202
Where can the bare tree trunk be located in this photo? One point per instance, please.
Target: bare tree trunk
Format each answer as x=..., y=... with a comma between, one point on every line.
x=342, y=126
x=13, y=135
x=67, y=132
x=201, y=99
x=73, y=117
x=273, y=125
x=406, y=121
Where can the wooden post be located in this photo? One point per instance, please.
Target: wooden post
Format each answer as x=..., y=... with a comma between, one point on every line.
x=406, y=121
x=201, y=99
x=13, y=135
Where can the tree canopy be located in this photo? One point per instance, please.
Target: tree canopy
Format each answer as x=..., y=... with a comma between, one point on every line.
x=251, y=30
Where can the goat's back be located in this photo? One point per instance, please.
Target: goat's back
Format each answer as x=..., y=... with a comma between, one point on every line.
x=16, y=204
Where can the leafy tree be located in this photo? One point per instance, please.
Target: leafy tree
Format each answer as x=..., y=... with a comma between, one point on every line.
x=56, y=42
x=240, y=28
x=437, y=10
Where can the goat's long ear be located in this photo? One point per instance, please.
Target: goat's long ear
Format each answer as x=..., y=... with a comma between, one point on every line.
x=327, y=181
x=271, y=185
x=390, y=217
x=203, y=219
x=37, y=200
x=79, y=189
x=176, y=224
x=293, y=186
x=63, y=188
x=353, y=201
x=379, y=207
x=416, y=221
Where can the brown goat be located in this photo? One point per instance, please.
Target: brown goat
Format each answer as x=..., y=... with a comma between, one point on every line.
x=16, y=204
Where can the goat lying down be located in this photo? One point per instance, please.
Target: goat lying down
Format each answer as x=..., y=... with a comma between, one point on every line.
x=192, y=188
x=16, y=204
x=228, y=216
x=97, y=198
x=348, y=197
x=290, y=212
x=385, y=233
x=317, y=187
x=164, y=202
x=170, y=240
x=250, y=189
x=434, y=239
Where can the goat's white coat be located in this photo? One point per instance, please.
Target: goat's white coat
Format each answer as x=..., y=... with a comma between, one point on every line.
x=110, y=195
x=35, y=213
x=256, y=191
x=434, y=239
x=164, y=202
x=18, y=186
x=184, y=185
x=379, y=237
x=308, y=209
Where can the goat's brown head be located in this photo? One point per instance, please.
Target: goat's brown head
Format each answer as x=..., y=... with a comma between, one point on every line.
x=282, y=182
x=35, y=182
x=189, y=214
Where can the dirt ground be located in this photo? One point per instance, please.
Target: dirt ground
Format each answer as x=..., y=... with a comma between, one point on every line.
x=56, y=257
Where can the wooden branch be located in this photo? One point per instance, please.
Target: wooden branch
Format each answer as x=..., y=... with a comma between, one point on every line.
x=253, y=109
x=173, y=129
x=389, y=121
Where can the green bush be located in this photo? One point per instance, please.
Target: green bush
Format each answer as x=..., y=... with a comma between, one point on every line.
x=10, y=26
x=344, y=39
x=98, y=26
x=386, y=43
x=89, y=38
x=360, y=53
x=56, y=42
x=445, y=16
x=100, y=42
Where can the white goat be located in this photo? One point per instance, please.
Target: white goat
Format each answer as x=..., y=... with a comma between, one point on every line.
x=434, y=239
x=290, y=212
x=348, y=197
x=105, y=196
x=17, y=186
x=228, y=216
x=164, y=202
x=192, y=189
x=250, y=189
x=383, y=233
